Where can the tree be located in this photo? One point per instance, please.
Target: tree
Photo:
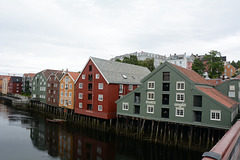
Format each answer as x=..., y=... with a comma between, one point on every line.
x=148, y=62
x=131, y=60
x=198, y=66
x=214, y=64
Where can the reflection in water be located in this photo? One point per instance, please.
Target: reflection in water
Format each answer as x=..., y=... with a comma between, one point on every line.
x=70, y=142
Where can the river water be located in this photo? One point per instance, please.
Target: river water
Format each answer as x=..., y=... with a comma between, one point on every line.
x=27, y=136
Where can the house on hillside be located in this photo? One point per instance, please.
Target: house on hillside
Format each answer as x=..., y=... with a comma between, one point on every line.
x=53, y=83
x=67, y=89
x=101, y=83
x=39, y=89
x=15, y=85
x=229, y=70
x=178, y=95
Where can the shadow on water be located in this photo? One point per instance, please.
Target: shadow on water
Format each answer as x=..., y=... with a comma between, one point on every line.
x=70, y=142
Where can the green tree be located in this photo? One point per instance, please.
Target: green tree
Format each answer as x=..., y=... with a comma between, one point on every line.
x=198, y=66
x=149, y=63
x=131, y=60
x=118, y=60
x=214, y=64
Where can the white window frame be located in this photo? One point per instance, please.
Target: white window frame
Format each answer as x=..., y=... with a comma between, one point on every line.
x=177, y=113
x=61, y=101
x=179, y=85
x=180, y=95
x=66, y=94
x=151, y=85
x=150, y=109
x=80, y=95
x=231, y=94
x=70, y=86
x=232, y=87
x=80, y=105
x=97, y=76
x=61, y=85
x=214, y=112
x=69, y=102
x=61, y=93
x=100, y=97
x=125, y=106
x=100, y=85
x=100, y=107
x=83, y=76
x=80, y=86
x=130, y=87
x=70, y=94
x=120, y=88
x=149, y=97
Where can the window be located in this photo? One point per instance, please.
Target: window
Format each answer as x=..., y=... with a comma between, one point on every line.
x=70, y=86
x=54, y=92
x=179, y=112
x=120, y=88
x=231, y=94
x=80, y=85
x=97, y=76
x=180, y=97
x=61, y=93
x=136, y=97
x=53, y=100
x=69, y=102
x=215, y=115
x=61, y=101
x=150, y=108
x=100, y=85
x=65, y=103
x=197, y=116
x=49, y=91
x=166, y=87
x=90, y=77
x=55, y=85
x=89, y=96
x=90, y=68
x=125, y=106
x=89, y=86
x=136, y=109
x=165, y=112
x=197, y=101
x=66, y=94
x=100, y=97
x=100, y=107
x=89, y=107
x=70, y=94
x=151, y=85
x=80, y=105
x=232, y=87
x=150, y=95
x=48, y=99
x=80, y=96
x=61, y=85
x=165, y=99
x=180, y=86
x=130, y=87
x=166, y=76
x=33, y=88
x=83, y=76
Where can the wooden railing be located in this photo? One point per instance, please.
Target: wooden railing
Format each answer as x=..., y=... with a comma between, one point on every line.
x=228, y=148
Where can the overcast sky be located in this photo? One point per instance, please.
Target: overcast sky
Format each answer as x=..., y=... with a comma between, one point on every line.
x=59, y=34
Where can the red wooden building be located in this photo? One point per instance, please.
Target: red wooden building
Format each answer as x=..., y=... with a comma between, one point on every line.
x=101, y=83
x=15, y=85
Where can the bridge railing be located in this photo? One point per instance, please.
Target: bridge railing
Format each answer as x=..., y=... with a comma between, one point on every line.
x=228, y=148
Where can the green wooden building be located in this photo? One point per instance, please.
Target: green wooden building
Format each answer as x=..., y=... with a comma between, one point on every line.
x=39, y=85
x=230, y=88
x=178, y=95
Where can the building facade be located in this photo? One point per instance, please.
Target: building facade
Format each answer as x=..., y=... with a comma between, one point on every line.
x=181, y=60
x=15, y=85
x=175, y=94
x=5, y=84
x=39, y=89
x=27, y=82
x=101, y=83
x=229, y=70
x=53, y=83
x=67, y=89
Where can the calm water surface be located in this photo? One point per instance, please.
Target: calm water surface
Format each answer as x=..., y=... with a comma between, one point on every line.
x=26, y=136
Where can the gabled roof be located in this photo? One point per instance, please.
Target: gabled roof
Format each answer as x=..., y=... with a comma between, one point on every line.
x=120, y=73
x=48, y=72
x=218, y=96
x=216, y=82
x=192, y=75
x=73, y=75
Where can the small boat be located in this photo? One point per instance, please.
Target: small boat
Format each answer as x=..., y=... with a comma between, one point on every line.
x=56, y=120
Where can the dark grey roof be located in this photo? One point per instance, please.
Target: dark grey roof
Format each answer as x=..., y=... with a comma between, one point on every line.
x=16, y=79
x=120, y=73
